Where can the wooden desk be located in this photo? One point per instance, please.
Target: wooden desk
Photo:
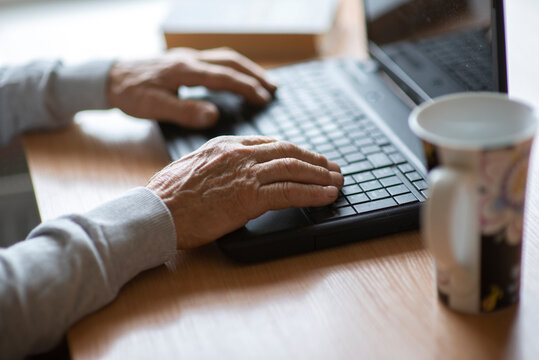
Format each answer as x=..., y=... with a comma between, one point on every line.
x=371, y=300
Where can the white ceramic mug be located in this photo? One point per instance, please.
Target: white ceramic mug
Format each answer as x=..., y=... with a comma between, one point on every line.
x=477, y=147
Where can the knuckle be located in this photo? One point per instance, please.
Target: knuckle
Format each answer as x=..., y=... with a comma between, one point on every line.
x=180, y=67
x=216, y=140
x=250, y=81
x=230, y=53
x=288, y=165
x=225, y=74
x=225, y=49
x=287, y=148
x=232, y=154
x=318, y=159
x=235, y=56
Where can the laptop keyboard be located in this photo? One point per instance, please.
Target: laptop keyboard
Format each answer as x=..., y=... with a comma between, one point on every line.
x=311, y=112
x=466, y=56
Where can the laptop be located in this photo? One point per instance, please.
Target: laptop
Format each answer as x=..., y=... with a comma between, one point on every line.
x=356, y=114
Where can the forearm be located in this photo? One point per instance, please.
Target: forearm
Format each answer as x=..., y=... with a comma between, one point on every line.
x=46, y=94
x=72, y=266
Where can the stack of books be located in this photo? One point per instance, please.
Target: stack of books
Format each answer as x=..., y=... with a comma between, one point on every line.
x=259, y=29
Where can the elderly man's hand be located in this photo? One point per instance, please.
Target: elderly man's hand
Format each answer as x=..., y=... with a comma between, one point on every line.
x=230, y=180
x=149, y=89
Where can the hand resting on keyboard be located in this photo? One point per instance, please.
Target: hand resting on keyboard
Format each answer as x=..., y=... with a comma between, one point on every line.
x=233, y=179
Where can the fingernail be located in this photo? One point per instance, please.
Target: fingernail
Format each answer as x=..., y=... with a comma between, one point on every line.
x=337, y=179
x=263, y=94
x=333, y=166
x=331, y=192
x=208, y=117
x=273, y=87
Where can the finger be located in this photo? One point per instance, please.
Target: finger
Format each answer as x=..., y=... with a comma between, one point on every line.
x=235, y=60
x=251, y=140
x=283, y=149
x=298, y=171
x=196, y=114
x=289, y=194
x=217, y=77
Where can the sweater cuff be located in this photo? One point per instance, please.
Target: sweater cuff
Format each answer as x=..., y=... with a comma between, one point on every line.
x=83, y=87
x=139, y=230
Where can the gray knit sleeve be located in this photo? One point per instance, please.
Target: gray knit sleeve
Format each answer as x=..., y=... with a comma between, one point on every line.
x=76, y=264
x=46, y=94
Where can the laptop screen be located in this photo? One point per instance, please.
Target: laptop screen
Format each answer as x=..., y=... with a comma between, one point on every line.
x=435, y=47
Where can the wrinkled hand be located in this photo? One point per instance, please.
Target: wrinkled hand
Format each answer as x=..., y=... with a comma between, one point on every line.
x=230, y=180
x=149, y=89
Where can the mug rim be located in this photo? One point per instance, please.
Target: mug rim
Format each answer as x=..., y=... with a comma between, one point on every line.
x=439, y=140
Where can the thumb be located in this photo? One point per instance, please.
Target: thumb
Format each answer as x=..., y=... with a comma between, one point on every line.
x=191, y=113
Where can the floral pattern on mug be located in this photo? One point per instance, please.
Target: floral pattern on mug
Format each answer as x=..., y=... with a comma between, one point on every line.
x=503, y=184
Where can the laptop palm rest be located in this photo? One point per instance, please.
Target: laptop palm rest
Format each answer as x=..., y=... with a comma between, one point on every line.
x=273, y=234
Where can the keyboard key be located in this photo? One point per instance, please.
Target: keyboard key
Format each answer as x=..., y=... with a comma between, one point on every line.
x=349, y=180
x=370, y=149
x=357, y=198
x=371, y=128
x=405, y=198
x=351, y=189
x=341, y=162
x=381, y=140
x=321, y=148
x=303, y=124
x=288, y=125
x=420, y=185
x=390, y=181
x=331, y=155
x=351, y=128
x=326, y=213
x=389, y=149
x=329, y=127
x=379, y=160
x=299, y=139
x=363, y=141
x=375, y=205
x=244, y=128
x=265, y=126
x=348, y=149
x=319, y=140
x=413, y=176
x=371, y=185
x=364, y=176
x=382, y=173
x=397, y=190
x=354, y=157
x=336, y=134
x=397, y=158
x=405, y=168
x=313, y=132
x=378, y=194
x=358, y=134
x=290, y=132
x=340, y=202
x=342, y=141
x=356, y=167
